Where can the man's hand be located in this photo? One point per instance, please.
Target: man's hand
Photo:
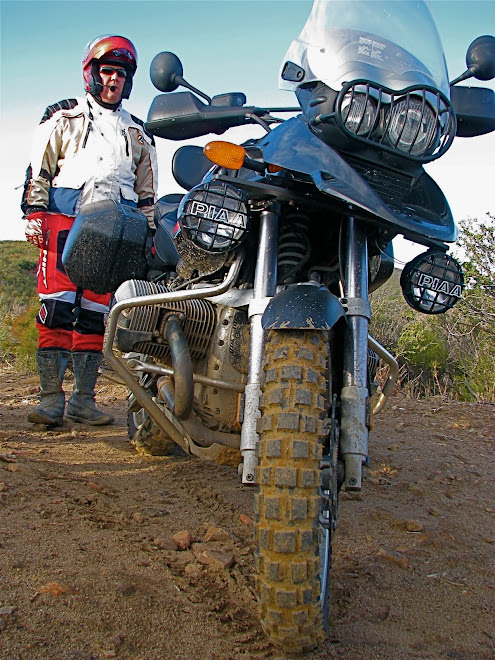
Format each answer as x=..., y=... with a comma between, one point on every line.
x=34, y=229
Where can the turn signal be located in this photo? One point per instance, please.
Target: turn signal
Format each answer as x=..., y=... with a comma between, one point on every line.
x=225, y=154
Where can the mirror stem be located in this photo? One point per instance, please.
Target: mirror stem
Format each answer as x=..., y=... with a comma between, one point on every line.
x=180, y=81
x=469, y=73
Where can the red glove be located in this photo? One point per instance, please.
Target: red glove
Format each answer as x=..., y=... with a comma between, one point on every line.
x=34, y=229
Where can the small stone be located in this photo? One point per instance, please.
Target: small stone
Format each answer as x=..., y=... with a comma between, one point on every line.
x=6, y=610
x=193, y=569
x=54, y=589
x=394, y=557
x=433, y=511
x=139, y=517
x=182, y=540
x=215, y=558
x=125, y=588
x=245, y=520
x=165, y=543
x=415, y=490
x=216, y=534
x=353, y=497
x=393, y=447
x=3, y=487
x=12, y=467
x=414, y=526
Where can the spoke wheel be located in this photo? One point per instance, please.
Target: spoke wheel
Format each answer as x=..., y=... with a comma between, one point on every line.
x=294, y=405
x=145, y=435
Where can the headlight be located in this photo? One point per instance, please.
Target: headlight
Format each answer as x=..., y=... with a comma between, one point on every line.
x=358, y=113
x=214, y=216
x=412, y=126
x=417, y=122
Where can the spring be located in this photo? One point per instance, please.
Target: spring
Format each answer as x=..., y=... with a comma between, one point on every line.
x=294, y=247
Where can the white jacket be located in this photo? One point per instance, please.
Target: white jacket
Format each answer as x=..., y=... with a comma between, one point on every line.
x=85, y=153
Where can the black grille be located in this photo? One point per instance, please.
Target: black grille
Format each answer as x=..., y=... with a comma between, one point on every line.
x=416, y=122
x=390, y=186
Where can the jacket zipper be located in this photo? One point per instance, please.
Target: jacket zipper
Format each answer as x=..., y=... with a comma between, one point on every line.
x=126, y=142
x=86, y=136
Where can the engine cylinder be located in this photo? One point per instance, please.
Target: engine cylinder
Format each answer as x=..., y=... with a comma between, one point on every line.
x=197, y=318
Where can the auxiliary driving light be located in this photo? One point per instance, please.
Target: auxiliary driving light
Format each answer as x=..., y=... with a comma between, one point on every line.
x=214, y=216
x=432, y=283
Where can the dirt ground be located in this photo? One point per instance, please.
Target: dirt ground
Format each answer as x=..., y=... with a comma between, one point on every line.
x=92, y=564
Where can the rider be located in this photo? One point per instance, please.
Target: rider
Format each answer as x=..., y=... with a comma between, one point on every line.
x=85, y=150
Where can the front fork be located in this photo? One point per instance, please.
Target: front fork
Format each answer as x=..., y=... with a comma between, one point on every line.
x=355, y=401
x=355, y=410
x=265, y=284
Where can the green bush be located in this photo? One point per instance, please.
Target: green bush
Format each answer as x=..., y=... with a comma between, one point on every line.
x=18, y=304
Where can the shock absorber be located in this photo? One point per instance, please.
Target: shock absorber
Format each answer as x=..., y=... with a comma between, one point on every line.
x=294, y=247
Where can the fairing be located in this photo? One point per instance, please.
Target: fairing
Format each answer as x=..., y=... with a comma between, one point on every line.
x=424, y=214
x=389, y=42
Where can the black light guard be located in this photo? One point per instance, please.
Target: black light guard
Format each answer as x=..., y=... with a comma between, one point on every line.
x=432, y=282
x=386, y=98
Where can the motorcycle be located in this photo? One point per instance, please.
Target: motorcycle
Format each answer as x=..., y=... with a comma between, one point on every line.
x=241, y=329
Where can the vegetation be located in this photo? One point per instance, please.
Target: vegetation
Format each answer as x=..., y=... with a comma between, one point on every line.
x=451, y=355
x=18, y=304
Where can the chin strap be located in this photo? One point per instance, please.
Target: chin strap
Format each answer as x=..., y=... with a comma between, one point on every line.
x=110, y=106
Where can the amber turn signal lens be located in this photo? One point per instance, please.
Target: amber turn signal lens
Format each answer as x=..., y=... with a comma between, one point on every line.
x=274, y=168
x=225, y=154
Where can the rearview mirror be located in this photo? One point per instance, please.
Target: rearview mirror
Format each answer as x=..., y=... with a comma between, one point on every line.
x=480, y=60
x=166, y=72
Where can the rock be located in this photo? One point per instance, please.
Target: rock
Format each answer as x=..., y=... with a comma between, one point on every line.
x=125, y=588
x=215, y=558
x=165, y=543
x=393, y=447
x=415, y=490
x=12, y=467
x=3, y=487
x=216, y=534
x=182, y=540
x=6, y=610
x=353, y=497
x=138, y=517
x=395, y=558
x=193, y=569
x=433, y=511
x=53, y=589
x=245, y=520
x=414, y=526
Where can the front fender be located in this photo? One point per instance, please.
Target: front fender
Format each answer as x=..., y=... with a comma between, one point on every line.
x=303, y=307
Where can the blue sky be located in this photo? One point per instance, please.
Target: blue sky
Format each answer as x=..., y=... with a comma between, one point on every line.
x=225, y=45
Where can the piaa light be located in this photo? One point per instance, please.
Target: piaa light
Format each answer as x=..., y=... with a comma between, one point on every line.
x=214, y=216
x=432, y=283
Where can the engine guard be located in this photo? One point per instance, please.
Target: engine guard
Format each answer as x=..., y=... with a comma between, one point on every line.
x=303, y=307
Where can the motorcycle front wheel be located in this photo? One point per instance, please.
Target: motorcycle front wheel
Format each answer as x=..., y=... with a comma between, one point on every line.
x=294, y=405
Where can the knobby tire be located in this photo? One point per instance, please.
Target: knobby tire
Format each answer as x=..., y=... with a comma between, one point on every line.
x=294, y=405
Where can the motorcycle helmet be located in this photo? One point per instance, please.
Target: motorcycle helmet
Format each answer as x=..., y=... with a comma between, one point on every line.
x=108, y=49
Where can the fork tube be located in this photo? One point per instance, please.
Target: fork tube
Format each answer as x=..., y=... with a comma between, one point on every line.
x=355, y=395
x=265, y=283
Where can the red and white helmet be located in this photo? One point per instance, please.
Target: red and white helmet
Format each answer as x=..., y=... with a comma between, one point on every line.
x=108, y=49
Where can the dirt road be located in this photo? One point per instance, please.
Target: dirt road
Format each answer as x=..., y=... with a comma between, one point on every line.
x=107, y=554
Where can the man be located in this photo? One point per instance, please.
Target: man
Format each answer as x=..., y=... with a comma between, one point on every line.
x=85, y=150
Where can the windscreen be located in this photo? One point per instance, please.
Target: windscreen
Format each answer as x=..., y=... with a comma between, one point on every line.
x=390, y=42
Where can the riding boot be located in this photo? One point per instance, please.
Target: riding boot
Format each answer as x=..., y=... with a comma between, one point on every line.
x=81, y=405
x=52, y=364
